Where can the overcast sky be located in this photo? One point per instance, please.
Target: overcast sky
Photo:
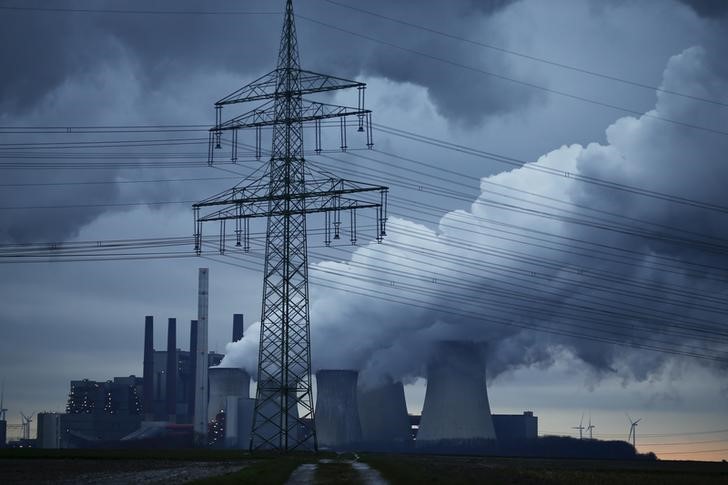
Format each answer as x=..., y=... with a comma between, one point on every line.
x=615, y=229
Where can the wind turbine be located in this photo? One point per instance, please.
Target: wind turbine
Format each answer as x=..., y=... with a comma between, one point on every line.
x=590, y=428
x=26, y=425
x=580, y=427
x=633, y=430
x=3, y=410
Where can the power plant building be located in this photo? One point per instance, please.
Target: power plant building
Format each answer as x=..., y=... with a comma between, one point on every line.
x=516, y=427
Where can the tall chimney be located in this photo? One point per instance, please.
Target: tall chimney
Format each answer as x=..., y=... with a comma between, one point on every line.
x=200, y=423
x=193, y=373
x=172, y=369
x=148, y=370
x=237, y=326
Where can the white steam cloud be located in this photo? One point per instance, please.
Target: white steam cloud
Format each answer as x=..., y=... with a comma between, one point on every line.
x=491, y=274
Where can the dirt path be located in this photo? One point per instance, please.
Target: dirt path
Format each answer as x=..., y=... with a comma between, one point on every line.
x=328, y=471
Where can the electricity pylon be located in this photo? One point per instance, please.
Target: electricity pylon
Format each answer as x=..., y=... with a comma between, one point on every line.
x=284, y=414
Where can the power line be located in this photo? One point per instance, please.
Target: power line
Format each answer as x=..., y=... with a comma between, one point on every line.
x=114, y=182
x=527, y=56
x=549, y=170
x=134, y=12
x=527, y=84
x=447, y=310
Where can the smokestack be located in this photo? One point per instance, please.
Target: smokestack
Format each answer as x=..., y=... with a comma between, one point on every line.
x=200, y=423
x=383, y=415
x=148, y=369
x=337, y=414
x=193, y=373
x=456, y=409
x=171, y=389
x=237, y=326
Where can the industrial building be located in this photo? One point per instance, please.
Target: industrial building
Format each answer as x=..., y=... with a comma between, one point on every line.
x=158, y=409
x=180, y=385
x=511, y=428
x=103, y=412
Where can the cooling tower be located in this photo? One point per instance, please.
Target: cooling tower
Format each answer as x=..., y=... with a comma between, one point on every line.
x=148, y=369
x=225, y=382
x=383, y=416
x=171, y=381
x=337, y=411
x=456, y=409
x=238, y=421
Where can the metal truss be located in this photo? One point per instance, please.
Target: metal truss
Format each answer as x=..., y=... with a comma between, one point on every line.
x=284, y=413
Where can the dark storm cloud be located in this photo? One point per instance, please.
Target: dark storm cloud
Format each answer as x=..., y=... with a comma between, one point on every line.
x=102, y=68
x=57, y=47
x=708, y=8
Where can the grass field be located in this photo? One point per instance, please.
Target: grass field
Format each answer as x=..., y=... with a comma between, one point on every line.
x=411, y=469
x=220, y=466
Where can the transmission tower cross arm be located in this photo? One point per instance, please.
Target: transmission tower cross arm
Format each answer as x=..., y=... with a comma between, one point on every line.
x=266, y=115
x=320, y=196
x=252, y=194
x=267, y=87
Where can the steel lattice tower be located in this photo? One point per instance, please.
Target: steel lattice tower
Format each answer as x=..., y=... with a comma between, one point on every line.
x=285, y=194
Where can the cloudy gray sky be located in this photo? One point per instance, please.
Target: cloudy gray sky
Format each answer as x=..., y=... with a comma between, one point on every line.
x=615, y=231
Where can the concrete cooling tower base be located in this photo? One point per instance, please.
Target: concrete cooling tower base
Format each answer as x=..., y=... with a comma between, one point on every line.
x=456, y=414
x=337, y=413
x=384, y=420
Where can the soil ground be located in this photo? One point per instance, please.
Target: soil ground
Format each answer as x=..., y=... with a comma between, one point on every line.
x=209, y=466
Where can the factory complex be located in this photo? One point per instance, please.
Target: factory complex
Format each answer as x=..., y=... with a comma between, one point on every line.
x=157, y=409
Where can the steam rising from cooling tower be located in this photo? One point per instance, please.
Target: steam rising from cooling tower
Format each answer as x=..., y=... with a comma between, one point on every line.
x=456, y=409
x=493, y=274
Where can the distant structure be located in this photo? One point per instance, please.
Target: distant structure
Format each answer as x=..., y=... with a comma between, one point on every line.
x=226, y=382
x=172, y=371
x=337, y=410
x=590, y=428
x=456, y=411
x=148, y=368
x=238, y=326
x=98, y=411
x=3, y=421
x=383, y=415
x=515, y=427
x=580, y=428
x=162, y=404
x=202, y=361
x=285, y=194
x=48, y=430
x=633, y=430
